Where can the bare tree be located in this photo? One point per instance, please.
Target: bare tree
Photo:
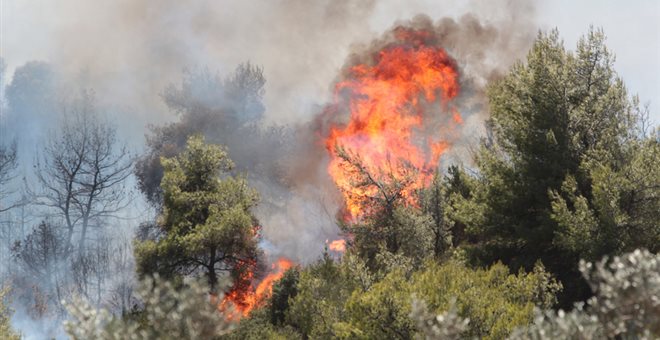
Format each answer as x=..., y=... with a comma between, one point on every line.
x=121, y=296
x=8, y=164
x=41, y=257
x=82, y=171
x=91, y=269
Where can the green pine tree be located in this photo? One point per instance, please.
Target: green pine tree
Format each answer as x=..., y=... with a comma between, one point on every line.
x=206, y=226
x=567, y=172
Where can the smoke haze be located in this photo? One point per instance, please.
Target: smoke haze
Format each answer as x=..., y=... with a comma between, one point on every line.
x=135, y=54
x=131, y=52
x=132, y=49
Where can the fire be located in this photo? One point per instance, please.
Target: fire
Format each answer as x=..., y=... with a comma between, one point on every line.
x=241, y=300
x=388, y=100
x=337, y=245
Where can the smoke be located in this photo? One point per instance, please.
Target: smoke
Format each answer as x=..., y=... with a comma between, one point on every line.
x=483, y=48
x=129, y=51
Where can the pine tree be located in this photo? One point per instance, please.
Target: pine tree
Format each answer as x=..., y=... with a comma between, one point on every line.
x=206, y=226
x=568, y=172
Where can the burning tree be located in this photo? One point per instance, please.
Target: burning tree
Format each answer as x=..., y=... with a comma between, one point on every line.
x=206, y=226
x=244, y=296
x=387, y=225
x=224, y=110
x=389, y=149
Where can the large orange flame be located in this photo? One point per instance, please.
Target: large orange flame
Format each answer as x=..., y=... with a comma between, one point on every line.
x=388, y=100
x=240, y=300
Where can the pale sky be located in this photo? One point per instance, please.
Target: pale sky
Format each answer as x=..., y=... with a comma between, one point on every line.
x=633, y=33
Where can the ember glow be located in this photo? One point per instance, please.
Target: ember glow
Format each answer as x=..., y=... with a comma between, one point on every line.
x=241, y=299
x=338, y=246
x=388, y=102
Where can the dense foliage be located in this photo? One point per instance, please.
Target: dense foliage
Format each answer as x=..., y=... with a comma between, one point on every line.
x=569, y=170
x=334, y=301
x=206, y=226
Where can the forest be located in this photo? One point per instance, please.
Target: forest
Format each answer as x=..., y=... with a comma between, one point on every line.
x=546, y=227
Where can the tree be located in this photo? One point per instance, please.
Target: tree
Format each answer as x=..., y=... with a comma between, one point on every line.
x=283, y=291
x=223, y=110
x=42, y=257
x=206, y=225
x=91, y=269
x=322, y=291
x=31, y=98
x=389, y=229
x=121, y=289
x=620, y=210
x=8, y=164
x=82, y=171
x=566, y=172
x=434, y=203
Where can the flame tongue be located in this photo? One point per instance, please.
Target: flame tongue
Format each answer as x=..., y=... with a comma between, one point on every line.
x=387, y=103
x=243, y=299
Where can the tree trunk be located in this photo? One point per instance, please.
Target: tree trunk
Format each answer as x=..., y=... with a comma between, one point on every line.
x=212, y=276
x=83, y=235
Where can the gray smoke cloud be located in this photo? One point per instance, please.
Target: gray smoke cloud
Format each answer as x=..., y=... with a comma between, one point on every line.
x=483, y=49
x=129, y=51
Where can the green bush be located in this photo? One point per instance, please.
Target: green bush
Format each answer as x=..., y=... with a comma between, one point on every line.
x=626, y=304
x=494, y=301
x=6, y=332
x=169, y=312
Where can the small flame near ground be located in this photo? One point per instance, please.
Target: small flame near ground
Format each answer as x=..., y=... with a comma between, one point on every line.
x=389, y=99
x=242, y=299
